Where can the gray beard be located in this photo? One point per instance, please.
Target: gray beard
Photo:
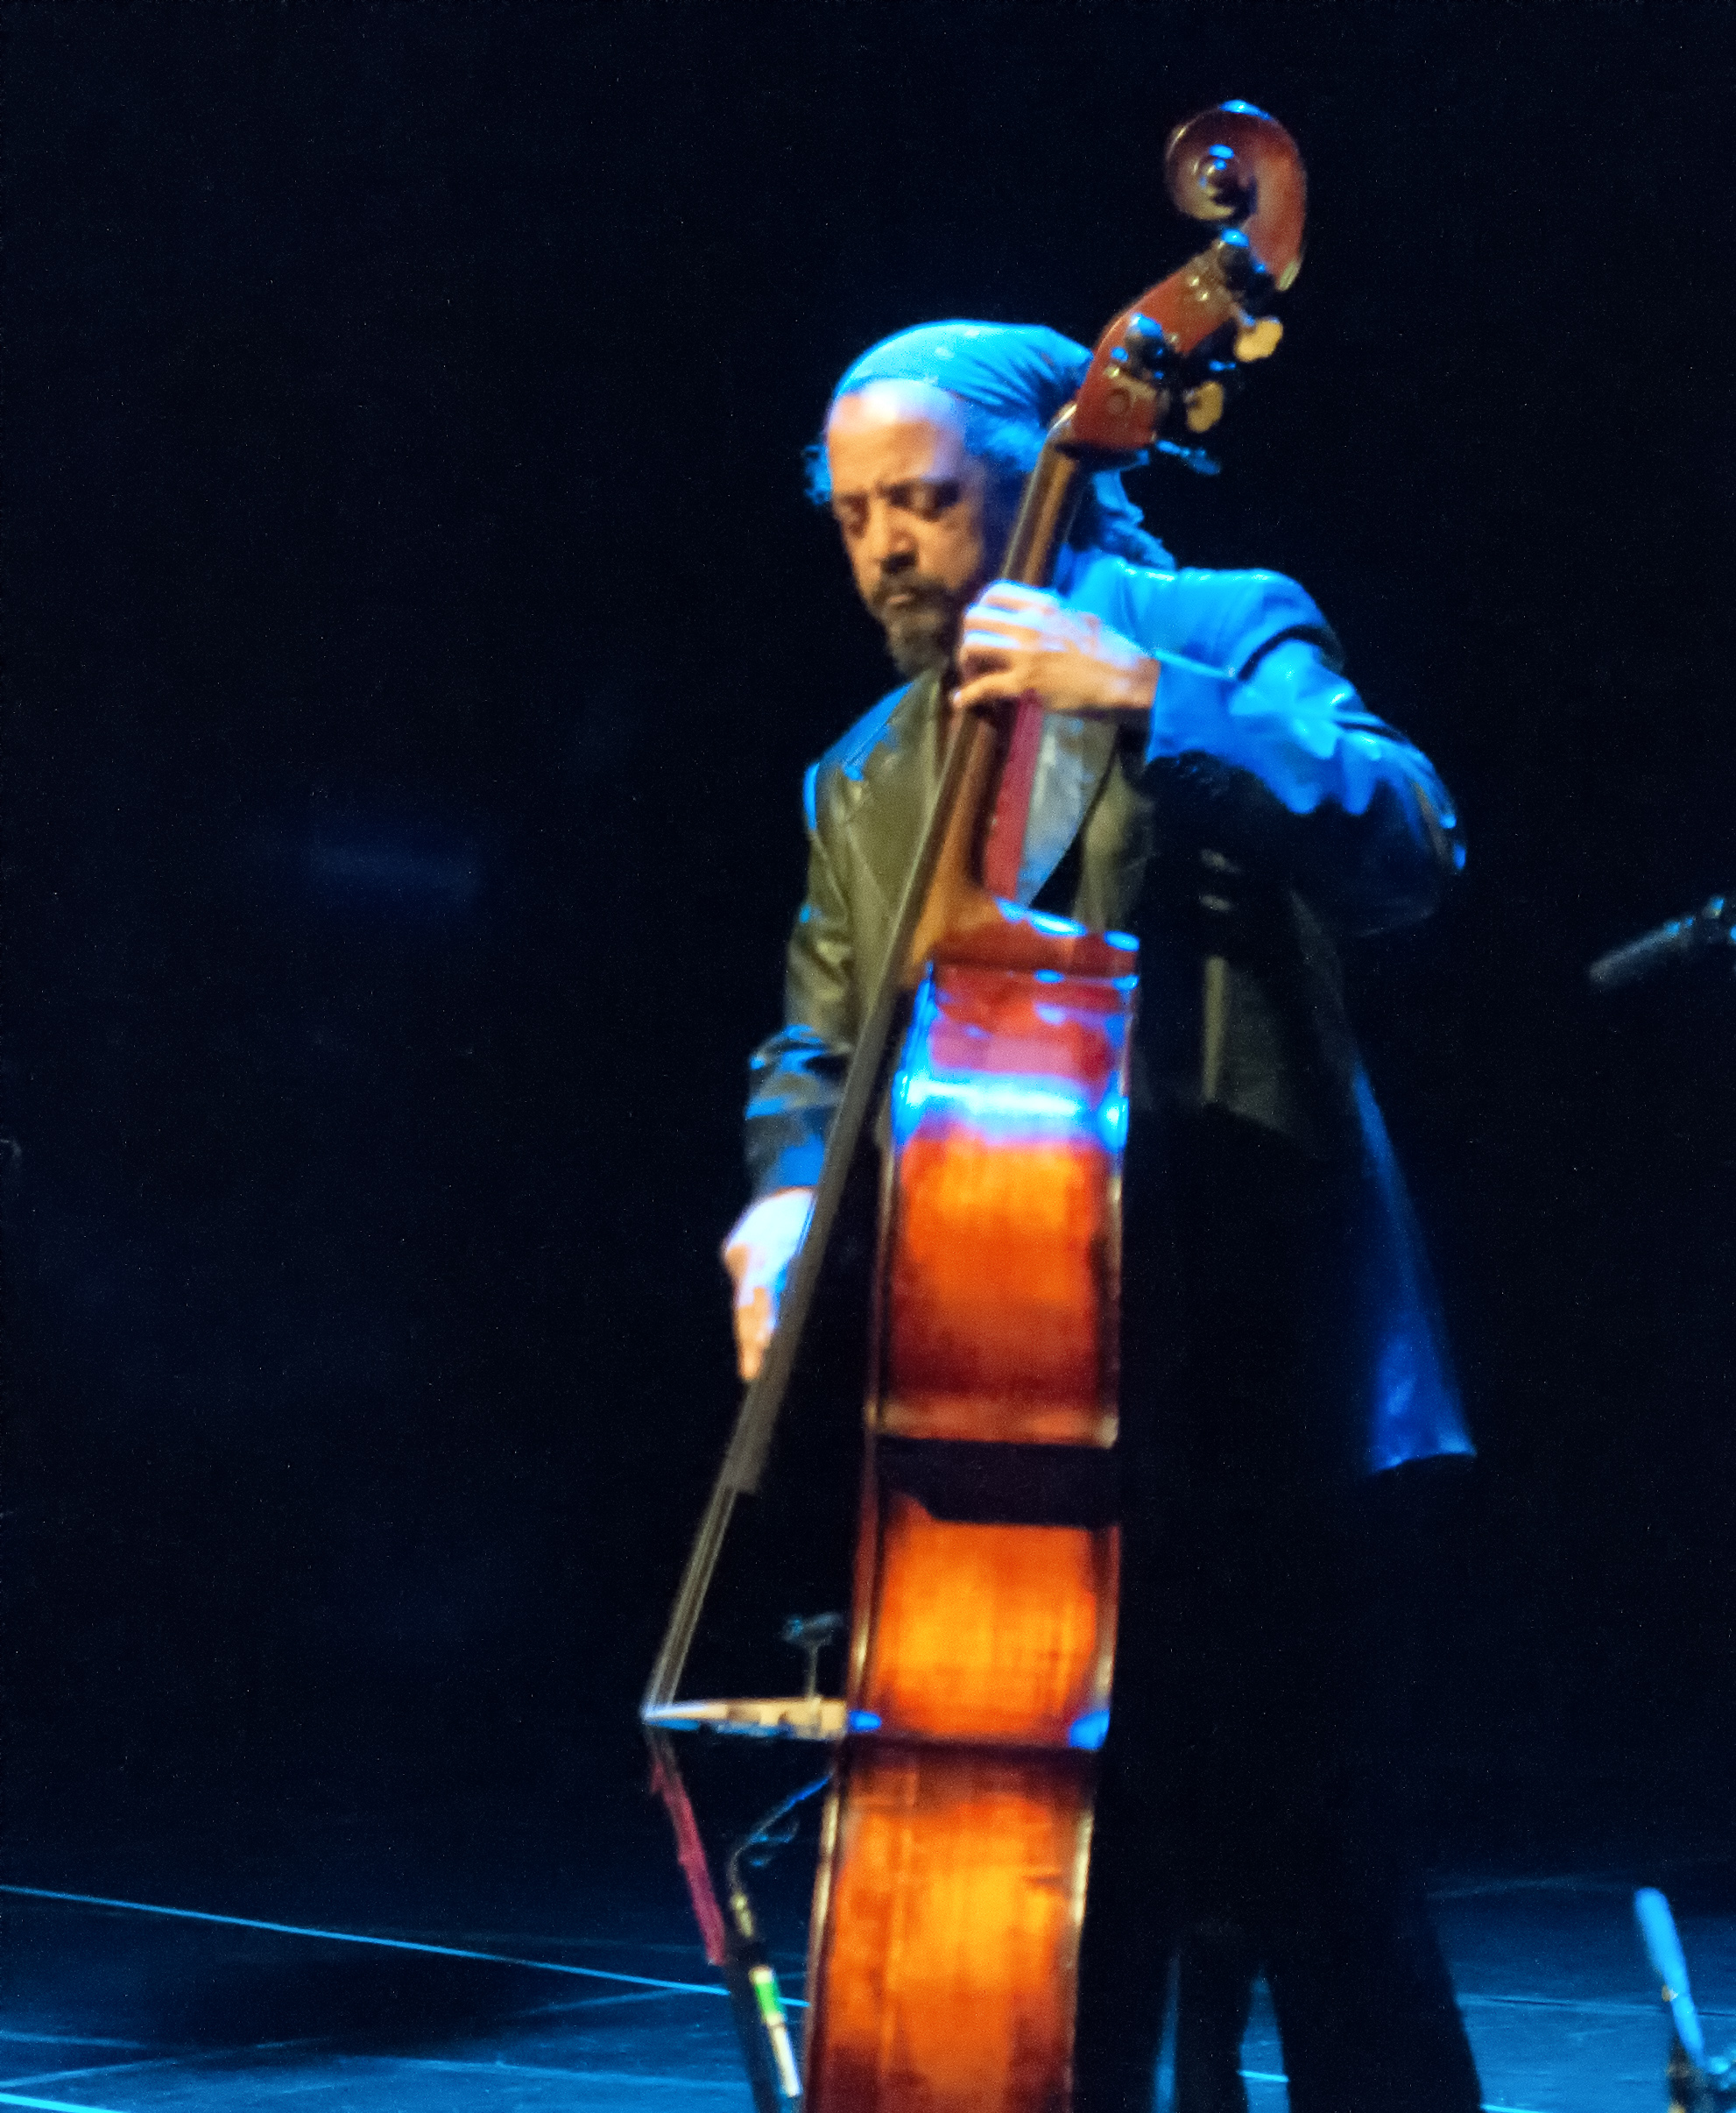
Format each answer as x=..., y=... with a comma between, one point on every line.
x=923, y=634
x=921, y=639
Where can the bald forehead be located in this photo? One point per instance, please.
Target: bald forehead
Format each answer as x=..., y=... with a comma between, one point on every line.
x=889, y=432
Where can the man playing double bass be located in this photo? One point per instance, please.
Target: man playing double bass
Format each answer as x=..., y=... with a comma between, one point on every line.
x=1285, y=1389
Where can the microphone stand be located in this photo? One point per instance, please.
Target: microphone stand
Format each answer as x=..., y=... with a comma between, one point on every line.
x=1697, y=933
x=1697, y=2082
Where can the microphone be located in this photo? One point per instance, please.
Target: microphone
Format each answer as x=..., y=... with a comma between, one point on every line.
x=1676, y=940
x=1664, y=1948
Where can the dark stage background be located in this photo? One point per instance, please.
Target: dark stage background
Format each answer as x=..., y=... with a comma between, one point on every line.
x=415, y=634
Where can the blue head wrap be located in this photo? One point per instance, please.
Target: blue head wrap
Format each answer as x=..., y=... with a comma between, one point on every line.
x=1013, y=378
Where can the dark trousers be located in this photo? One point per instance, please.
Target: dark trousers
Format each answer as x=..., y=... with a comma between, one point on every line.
x=1251, y=1789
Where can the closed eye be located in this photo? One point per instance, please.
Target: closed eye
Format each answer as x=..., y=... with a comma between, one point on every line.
x=927, y=497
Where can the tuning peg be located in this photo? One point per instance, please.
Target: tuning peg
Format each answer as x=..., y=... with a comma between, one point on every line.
x=1203, y=407
x=1195, y=459
x=1144, y=348
x=1258, y=337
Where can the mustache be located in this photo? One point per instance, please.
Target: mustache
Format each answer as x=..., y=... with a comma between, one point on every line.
x=924, y=591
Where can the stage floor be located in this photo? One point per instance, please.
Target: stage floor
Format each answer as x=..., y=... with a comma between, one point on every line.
x=113, y=2006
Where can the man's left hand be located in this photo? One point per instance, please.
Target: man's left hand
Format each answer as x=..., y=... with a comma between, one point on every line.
x=1019, y=639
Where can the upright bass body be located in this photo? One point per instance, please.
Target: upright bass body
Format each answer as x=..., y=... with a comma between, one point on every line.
x=945, y=1937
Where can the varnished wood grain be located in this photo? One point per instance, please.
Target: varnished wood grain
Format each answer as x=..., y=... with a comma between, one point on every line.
x=949, y=1957
x=1002, y=1245
x=988, y=1632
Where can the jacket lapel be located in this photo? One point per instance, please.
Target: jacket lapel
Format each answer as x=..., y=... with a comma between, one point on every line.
x=1074, y=755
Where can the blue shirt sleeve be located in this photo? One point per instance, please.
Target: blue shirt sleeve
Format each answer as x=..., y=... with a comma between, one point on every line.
x=1260, y=745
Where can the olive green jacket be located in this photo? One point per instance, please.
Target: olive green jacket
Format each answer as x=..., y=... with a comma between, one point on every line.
x=1265, y=811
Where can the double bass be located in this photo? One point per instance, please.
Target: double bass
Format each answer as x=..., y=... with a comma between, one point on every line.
x=956, y=1839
